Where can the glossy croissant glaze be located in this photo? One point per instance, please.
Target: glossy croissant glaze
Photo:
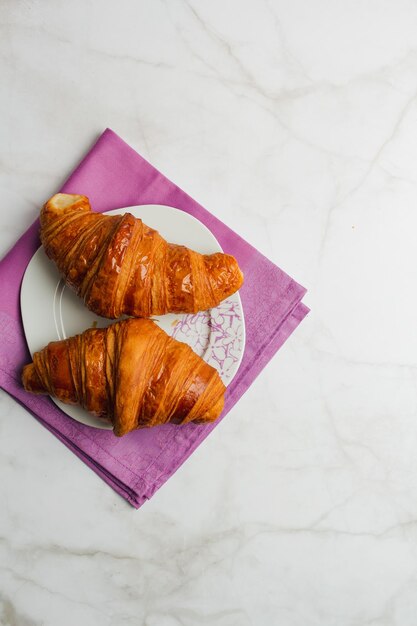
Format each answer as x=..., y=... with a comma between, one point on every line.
x=118, y=265
x=132, y=373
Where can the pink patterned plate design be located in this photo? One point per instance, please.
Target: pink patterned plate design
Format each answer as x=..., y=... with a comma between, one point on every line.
x=51, y=311
x=216, y=335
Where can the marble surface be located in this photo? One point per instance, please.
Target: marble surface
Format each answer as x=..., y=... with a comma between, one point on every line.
x=295, y=122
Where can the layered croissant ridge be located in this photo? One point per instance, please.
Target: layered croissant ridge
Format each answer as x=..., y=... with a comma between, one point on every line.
x=131, y=373
x=118, y=265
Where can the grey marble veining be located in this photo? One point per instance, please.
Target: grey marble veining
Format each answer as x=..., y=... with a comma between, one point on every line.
x=295, y=123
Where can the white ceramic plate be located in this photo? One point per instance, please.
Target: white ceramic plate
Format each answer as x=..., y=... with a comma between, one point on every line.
x=51, y=311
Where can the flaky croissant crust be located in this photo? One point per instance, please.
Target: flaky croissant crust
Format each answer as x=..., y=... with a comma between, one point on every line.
x=131, y=373
x=120, y=266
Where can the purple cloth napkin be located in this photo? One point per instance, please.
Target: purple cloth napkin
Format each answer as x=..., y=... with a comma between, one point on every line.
x=113, y=175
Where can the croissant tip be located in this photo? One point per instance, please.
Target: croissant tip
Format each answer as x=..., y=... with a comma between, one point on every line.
x=62, y=201
x=236, y=277
x=225, y=274
x=118, y=431
x=240, y=277
x=30, y=379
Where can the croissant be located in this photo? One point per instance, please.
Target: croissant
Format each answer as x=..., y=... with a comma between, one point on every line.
x=120, y=266
x=131, y=373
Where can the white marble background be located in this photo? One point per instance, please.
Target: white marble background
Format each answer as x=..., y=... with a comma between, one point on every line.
x=295, y=121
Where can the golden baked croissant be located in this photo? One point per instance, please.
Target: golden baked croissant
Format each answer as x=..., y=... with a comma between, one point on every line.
x=132, y=373
x=118, y=265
